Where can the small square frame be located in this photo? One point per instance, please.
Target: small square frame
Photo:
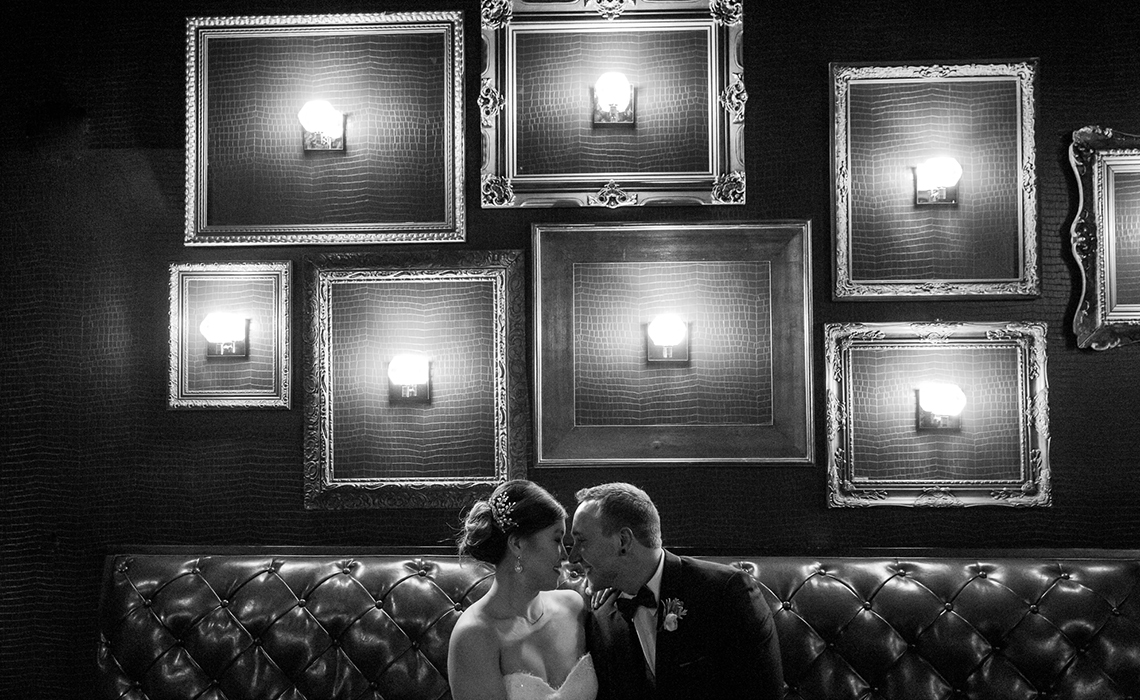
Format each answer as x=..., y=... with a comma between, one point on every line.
x=539, y=154
x=259, y=291
x=877, y=456
x=887, y=244
x=466, y=311
x=249, y=178
x=1105, y=236
x=744, y=396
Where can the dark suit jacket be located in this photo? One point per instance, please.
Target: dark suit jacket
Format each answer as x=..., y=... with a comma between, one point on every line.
x=725, y=646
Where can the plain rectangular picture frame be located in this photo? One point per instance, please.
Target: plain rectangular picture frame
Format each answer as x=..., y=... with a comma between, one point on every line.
x=745, y=394
x=542, y=58
x=258, y=292
x=888, y=118
x=1105, y=236
x=399, y=177
x=465, y=311
x=880, y=454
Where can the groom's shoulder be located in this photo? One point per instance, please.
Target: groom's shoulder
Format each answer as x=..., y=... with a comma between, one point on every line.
x=707, y=568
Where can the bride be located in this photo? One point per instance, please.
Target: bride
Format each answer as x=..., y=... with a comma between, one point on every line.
x=525, y=639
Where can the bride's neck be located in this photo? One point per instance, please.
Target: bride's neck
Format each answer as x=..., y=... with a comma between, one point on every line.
x=512, y=599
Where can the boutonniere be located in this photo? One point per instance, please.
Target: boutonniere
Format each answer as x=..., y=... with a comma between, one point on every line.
x=674, y=611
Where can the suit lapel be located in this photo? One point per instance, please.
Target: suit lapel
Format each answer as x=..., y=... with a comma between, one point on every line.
x=667, y=642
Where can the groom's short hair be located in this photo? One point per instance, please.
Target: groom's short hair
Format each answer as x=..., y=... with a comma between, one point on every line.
x=624, y=505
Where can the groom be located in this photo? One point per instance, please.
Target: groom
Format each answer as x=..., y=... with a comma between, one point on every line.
x=673, y=627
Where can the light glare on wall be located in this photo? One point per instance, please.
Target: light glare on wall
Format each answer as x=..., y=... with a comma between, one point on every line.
x=936, y=181
x=613, y=98
x=667, y=339
x=227, y=334
x=409, y=379
x=323, y=126
x=940, y=406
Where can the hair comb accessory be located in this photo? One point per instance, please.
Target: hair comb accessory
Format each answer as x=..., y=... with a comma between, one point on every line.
x=501, y=507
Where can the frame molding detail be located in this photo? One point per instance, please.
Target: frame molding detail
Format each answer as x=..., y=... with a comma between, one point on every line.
x=739, y=392
x=398, y=175
x=258, y=291
x=466, y=310
x=1106, y=164
x=879, y=453
x=593, y=167
x=872, y=180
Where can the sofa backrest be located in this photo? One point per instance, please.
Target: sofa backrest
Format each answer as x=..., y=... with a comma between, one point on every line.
x=305, y=626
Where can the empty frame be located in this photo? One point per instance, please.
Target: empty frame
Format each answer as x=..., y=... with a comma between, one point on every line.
x=325, y=129
x=556, y=133
x=934, y=180
x=1106, y=236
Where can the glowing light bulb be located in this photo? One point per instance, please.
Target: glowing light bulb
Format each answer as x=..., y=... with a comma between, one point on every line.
x=319, y=115
x=667, y=329
x=941, y=399
x=613, y=92
x=409, y=379
x=323, y=126
x=222, y=327
x=938, y=173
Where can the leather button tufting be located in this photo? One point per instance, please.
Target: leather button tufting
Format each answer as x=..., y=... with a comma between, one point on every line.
x=948, y=607
x=458, y=607
x=1066, y=576
x=301, y=602
x=982, y=574
x=1116, y=611
x=379, y=604
x=786, y=605
x=257, y=641
x=147, y=602
x=1033, y=609
x=866, y=605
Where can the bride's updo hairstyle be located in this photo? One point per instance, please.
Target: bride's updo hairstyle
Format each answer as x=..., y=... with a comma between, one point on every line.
x=516, y=507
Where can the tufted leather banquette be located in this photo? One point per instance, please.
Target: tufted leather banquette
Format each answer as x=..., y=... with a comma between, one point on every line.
x=297, y=625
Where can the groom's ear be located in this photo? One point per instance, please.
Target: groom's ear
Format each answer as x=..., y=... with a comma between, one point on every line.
x=625, y=539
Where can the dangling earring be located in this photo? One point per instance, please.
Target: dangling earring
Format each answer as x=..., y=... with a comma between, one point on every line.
x=518, y=565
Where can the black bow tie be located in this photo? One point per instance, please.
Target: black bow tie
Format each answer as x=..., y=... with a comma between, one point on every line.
x=628, y=606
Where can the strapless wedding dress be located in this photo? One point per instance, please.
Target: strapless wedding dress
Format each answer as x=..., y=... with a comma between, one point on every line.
x=581, y=684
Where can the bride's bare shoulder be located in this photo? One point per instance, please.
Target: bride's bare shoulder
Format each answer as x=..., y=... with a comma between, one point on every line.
x=567, y=600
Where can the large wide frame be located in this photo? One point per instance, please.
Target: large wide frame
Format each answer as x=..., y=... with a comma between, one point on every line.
x=367, y=449
x=888, y=118
x=570, y=164
x=256, y=291
x=398, y=177
x=1104, y=236
x=879, y=451
x=743, y=396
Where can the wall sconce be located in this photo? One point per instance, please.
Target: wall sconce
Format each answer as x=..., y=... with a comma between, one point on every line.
x=667, y=339
x=936, y=181
x=613, y=100
x=409, y=379
x=939, y=406
x=227, y=334
x=323, y=126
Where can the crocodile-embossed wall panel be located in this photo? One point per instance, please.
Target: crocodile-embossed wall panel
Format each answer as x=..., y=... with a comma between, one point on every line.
x=390, y=86
x=892, y=127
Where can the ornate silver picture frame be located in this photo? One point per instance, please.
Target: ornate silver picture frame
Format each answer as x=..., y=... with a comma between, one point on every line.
x=728, y=378
x=229, y=335
x=934, y=180
x=325, y=129
x=1106, y=236
x=415, y=386
x=560, y=130
x=937, y=414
